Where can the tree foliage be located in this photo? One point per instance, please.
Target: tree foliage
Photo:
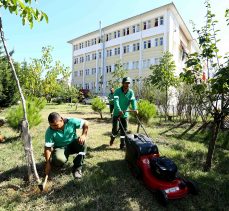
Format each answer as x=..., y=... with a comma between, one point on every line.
x=44, y=77
x=163, y=75
x=216, y=88
x=8, y=88
x=33, y=105
x=117, y=75
x=98, y=105
x=24, y=9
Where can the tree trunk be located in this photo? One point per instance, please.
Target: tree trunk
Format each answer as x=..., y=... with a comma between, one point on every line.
x=30, y=162
x=211, y=145
x=166, y=102
x=101, y=115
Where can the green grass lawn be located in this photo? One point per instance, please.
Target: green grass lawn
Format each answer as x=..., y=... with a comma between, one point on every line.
x=107, y=183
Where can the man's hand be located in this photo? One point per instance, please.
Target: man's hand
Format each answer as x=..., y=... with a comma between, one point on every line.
x=82, y=139
x=136, y=112
x=47, y=168
x=120, y=113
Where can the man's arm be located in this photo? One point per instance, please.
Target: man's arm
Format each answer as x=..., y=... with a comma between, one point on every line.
x=83, y=136
x=47, y=154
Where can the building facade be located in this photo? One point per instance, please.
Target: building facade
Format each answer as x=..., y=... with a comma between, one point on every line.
x=136, y=43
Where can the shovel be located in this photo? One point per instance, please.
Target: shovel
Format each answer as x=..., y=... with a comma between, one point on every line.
x=41, y=186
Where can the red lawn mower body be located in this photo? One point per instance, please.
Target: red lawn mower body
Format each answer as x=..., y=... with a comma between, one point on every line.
x=140, y=151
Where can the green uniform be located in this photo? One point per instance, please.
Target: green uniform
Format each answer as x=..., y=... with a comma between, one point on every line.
x=122, y=101
x=64, y=143
x=111, y=98
x=111, y=102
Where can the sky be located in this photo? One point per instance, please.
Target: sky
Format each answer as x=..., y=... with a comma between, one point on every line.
x=72, y=18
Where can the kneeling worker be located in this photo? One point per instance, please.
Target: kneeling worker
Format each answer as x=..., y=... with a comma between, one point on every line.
x=61, y=140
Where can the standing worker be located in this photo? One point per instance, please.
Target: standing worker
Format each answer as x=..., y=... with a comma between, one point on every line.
x=61, y=140
x=123, y=97
x=111, y=100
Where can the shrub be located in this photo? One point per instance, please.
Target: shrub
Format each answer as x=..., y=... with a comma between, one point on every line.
x=98, y=106
x=33, y=108
x=146, y=110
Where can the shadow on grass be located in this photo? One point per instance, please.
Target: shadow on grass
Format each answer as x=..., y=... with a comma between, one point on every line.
x=106, y=186
x=11, y=139
x=174, y=127
x=186, y=131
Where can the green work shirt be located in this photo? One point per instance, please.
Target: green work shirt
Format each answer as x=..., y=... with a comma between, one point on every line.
x=123, y=100
x=111, y=98
x=61, y=138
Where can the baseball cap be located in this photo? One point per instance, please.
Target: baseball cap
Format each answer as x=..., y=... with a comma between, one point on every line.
x=126, y=80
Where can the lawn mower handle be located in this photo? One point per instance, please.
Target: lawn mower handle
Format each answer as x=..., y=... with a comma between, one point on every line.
x=139, y=122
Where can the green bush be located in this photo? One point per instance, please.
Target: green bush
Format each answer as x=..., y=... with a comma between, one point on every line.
x=98, y=106
x=33, y=108
x=146, y=110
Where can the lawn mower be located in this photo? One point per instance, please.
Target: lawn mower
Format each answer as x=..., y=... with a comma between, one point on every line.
x=158, y=173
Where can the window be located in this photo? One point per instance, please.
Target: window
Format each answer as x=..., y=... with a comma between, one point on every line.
x=117, y=51
x=127, y=31
x=145, y=44
x=149, y=43
x=94, y=56
x=144, y=25
x=81, y=72
x=156, y=22
x=93, y=71
x=88, y=43
x=115, y=34
x=135, y=64
x=75, y=47
x=149, y=24
x=100, y=54
x=108, y=68
x=109, y=52
x=81, y=59
x=138, y=28
x=156, y=42
x=107, y=37
x=126, y=49
x=87, y=58
x=134, y=29
x=161, y=20
x=124, y=32
x=75, y=73
x=136, y=46
x=87, y=71
x=126, y=66
x=119, y=33
x=161, y=40
x=86, y=85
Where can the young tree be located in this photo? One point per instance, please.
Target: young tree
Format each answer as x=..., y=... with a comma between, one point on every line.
x=98, y=106
x=27, y=14
x=8, y=87
x=215, y=89
x=117, y=76
x=163, y=77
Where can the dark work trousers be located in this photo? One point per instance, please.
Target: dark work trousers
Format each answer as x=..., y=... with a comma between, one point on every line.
x=60, y=154
x=116, y=126
x=111, y=108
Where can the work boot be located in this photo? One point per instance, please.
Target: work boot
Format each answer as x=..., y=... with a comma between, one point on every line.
x=122, y=143
x=112, y=140
x=77, y=174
